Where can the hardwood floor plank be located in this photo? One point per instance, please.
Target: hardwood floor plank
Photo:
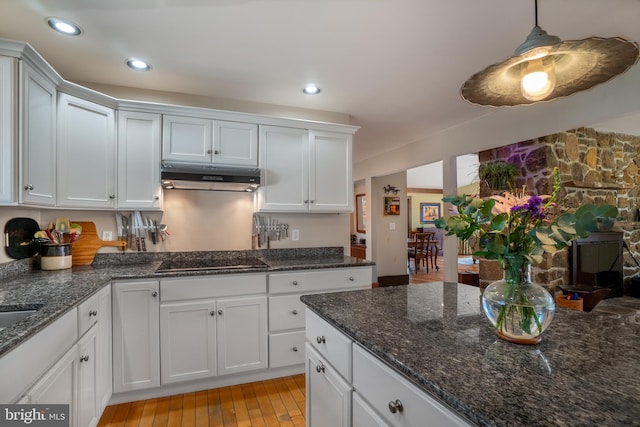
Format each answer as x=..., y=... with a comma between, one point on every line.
x=107, y=415
x=189, y=410
x=279, y=407
x=215, y=407
x=292, y=407
x=148, y=413
x=298, y=395
x=161, y=418
x=121, y=415
x=262, y=396
x=175, y=411
x=226, y=404
x=240, y=407
x=202, y=410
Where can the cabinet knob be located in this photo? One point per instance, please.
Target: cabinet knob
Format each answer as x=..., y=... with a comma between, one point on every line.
x=294, y=312
x=312, y=201
x=219, y=312
x=93, y=313
x=212, y=312
x=306, y=201
x=209, y=151
x=112, y=196
x=294, y=349
x=216, y=152
x=156, y=198
x=154, y=294
x=84, y=358
x=320, y=340
x=351, y=279
x=28, y=187
x=395, y=407
x=294, y=283
x=320, y=367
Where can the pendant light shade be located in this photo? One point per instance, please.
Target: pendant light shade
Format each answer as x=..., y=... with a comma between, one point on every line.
x=544, y=68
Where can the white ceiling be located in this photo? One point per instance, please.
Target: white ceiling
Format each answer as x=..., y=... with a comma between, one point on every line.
x=395, y=66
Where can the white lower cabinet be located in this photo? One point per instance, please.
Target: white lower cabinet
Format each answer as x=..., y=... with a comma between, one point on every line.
x=78, y=377
x=328, y=394
x=393, y=398
x=212, y=326
x=287, y=312
x=364, y=415
x=136, y=340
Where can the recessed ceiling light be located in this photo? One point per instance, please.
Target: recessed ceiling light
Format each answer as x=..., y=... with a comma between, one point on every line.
x=311, y=89
x=64, y=26
x=138, y=64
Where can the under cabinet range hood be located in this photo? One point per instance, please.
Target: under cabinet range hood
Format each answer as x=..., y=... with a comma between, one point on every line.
x=209, y=177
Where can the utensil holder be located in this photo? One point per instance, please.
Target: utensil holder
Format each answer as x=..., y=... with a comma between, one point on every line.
x=55, y=256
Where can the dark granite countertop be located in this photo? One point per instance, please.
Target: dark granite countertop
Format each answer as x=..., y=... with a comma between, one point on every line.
x=583, y=373
x=53, y=293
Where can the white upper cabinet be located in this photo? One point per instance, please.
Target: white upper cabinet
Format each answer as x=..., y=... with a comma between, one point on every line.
x=305, y=171
x=7, y=131
x=205, y=141
x=37, y=138
x=330, y=183
x=139, y=161
x=86, y=154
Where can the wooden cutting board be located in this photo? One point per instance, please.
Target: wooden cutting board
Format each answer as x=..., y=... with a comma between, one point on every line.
x=83, y=250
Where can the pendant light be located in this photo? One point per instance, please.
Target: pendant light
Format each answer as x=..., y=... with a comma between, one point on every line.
x=544, y=68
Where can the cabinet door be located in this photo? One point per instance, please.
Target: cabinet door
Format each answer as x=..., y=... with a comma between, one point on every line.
x=104, y=378
x=139, y=161
x=37, y=138
x=242, y=334
x=187, y=139
x=235, y=143
x=187, y=341
x=284, y=158
x=57, y=386
x=328, y=395
x=330, y=184
x=86, y=154
x=136, y=336
x=364, y=415
x=87, y=411
x=7, y=131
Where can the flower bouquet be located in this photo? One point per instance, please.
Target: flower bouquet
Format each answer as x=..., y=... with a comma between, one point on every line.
x=516, y=229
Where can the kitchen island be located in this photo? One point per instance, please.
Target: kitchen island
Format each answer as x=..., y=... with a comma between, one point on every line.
x=584, y=372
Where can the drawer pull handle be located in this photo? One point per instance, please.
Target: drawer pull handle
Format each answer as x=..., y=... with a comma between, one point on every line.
x=93, y=313
x=320, y=367
x=212, y=312
x=295, y=349
x=395, y=407
x=351, y=279
x=320, y=340
x=294, y=312
x=84, y=358
x=28, y=187
x=294, y=283
x=154, y=294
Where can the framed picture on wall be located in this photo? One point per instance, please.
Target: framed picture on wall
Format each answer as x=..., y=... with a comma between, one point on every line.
x=392, y=205
x=429, y=212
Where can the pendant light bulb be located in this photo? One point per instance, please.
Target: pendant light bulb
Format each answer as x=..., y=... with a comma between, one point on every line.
x=538, y=80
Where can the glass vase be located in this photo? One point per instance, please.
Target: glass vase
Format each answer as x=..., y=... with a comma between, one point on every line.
x=518, y=309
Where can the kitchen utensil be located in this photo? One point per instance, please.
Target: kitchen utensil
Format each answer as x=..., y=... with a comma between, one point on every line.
x=62, y=224
x=19, y=238
x=143, y=246
x=85, y=248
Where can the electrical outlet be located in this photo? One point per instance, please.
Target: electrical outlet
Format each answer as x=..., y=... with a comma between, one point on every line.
x=295, y=234
x=107, y=235
x=392, y=226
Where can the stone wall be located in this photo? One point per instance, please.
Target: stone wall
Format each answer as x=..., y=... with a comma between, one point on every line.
x=595, y=167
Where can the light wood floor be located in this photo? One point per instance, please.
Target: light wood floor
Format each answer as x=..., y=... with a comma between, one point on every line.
x=272, y=403
x=437, y=276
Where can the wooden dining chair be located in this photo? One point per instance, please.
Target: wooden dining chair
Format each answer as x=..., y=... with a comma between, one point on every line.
x=418, y=251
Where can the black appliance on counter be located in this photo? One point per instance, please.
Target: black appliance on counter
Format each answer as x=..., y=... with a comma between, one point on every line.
x=596, y=261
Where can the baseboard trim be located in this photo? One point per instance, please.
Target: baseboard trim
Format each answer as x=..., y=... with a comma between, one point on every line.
x=402, y=279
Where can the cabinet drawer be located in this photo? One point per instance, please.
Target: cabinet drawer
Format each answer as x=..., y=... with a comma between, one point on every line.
x=379, y=385
x=89, y=312
x=186, y=288
x=286, y=349
x=331, y=344
x=286, y=312
x=320, y=280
